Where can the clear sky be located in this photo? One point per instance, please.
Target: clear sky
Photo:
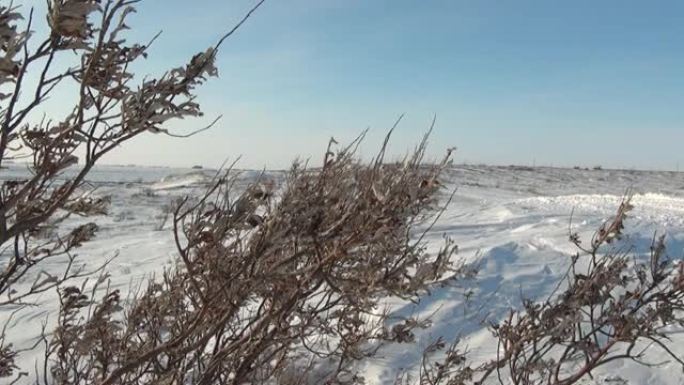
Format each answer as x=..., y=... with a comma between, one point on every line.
x=562, y=83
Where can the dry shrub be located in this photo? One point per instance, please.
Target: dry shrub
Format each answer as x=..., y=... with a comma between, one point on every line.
x=109, y=106
x=275, y=285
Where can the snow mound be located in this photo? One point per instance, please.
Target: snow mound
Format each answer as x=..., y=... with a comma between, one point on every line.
x=593, y=202
x=175, y=181
x=657, y=208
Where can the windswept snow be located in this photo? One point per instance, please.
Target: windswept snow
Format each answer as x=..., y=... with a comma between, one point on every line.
x=196, y=178
x=515, y=224
x=513, y=221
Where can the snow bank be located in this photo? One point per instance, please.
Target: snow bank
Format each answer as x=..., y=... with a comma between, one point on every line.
x=174, y=181
x=514, y=222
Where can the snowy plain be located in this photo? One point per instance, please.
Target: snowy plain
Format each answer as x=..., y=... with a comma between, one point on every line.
x=512, y=220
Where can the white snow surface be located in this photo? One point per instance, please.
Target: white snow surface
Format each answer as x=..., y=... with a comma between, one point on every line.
x=514, y=221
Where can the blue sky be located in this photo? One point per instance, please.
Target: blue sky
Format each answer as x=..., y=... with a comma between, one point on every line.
x=510, y=81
